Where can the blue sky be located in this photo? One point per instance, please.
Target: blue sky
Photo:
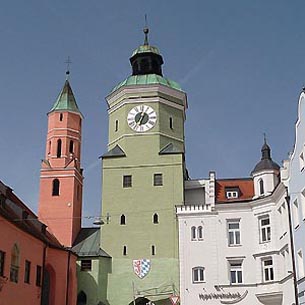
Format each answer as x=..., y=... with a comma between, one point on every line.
x=240, y=62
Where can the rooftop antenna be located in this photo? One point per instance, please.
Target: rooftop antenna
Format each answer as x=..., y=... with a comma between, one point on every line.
x=146, y=31
x=68, y=62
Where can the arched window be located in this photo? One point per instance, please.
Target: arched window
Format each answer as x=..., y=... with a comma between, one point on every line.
x=261, y=187
x=55, y=187
x=61, y=116
x=193, y=233
x=198, y=274
x=71, y=147
x=123, y=220
x=156, y=218
x=200, y=232
x=81, y=298
x=125, y=250
x=58, y=148
x=14, y=264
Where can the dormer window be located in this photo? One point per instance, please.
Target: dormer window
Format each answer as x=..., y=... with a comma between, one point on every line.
x=232, y=192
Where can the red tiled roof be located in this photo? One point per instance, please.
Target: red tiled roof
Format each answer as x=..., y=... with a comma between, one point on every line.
x=12, y=209
x=245, y=186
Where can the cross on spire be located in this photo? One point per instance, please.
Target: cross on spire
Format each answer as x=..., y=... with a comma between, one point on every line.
x=68, y=62
x=146, y=31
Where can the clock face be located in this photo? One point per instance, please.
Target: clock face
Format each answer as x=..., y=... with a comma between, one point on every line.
x=141, y=118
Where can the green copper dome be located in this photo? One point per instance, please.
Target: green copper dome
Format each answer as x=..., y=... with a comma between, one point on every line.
x=66, y=100
x=147, y=79
x=145, y=49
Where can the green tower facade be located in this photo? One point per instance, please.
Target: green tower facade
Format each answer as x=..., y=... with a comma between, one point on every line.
x=143, y=180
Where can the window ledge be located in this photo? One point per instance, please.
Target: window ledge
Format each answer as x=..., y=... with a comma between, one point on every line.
x=234, y=246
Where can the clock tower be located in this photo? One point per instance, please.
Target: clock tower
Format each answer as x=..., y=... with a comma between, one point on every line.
x=143, y=179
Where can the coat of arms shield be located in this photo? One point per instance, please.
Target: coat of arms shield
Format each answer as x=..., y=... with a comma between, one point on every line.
x=141, y=267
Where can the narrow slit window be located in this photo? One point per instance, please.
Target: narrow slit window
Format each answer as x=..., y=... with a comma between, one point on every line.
x=71, y=147
x=153, y=250
x=125, y=250
x=123, y=220
x=116, y=125
x=55, y=187
x=156, y=218
x=61, y=116
x=58, y=148
x=261, y=187
x=50, y=143
x=171, y=126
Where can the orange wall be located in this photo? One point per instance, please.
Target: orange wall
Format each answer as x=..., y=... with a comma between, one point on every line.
x=31, y=249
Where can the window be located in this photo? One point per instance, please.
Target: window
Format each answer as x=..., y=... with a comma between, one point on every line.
x=265, y=229
x=2, y=259
x=123, y=220
x=71, y=147
x=38, y=275
x=58, y=154
x=268, y=273
x=86, y=265
x=155, y=218
x=125, y=250
x=158, y=180
x=127, y=181
x=236, y=275
x=171, y=123
x=295, y=212
x=302, y=162
x=153, y=250
x=303, y=204
x=193, y=233
x=234, y=232
x=300, y=262
x=198, y=275
x=261, y=187
x=50, y=146
x=14, y=271
x=27, y=271
x=200, y=233
x=61, y=116
x=55, y=187
x=231, y=194
x=116, y=125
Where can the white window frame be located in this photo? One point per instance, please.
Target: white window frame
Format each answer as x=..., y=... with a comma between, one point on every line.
x=302, y=200
x=198, y=275
x=300, y=263
x=268, y=269
x=265, y=229
x=236, y=272
x=302, y=161
x=200, y=232
x=295, y=213
x=233, y=233
x=232, y=194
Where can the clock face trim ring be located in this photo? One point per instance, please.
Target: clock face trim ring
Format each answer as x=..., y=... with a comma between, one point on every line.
x=141, y=118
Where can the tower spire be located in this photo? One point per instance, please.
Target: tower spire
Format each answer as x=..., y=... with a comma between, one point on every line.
x=68, y=62
x=146, y=31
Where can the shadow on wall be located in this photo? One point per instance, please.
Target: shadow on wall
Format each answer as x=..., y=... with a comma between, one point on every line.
x=91, y=290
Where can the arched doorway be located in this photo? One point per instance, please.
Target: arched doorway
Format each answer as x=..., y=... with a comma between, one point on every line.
x=81, y=298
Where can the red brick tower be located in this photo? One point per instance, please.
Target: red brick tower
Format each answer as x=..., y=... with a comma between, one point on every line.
x=61, y=179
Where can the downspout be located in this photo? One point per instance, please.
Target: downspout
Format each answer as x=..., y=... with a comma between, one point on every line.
x=287, y=198
x=43, y=272
x=68, y=278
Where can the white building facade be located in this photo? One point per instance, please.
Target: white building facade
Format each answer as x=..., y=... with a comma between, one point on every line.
x=296, y=187
x=234, y=240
